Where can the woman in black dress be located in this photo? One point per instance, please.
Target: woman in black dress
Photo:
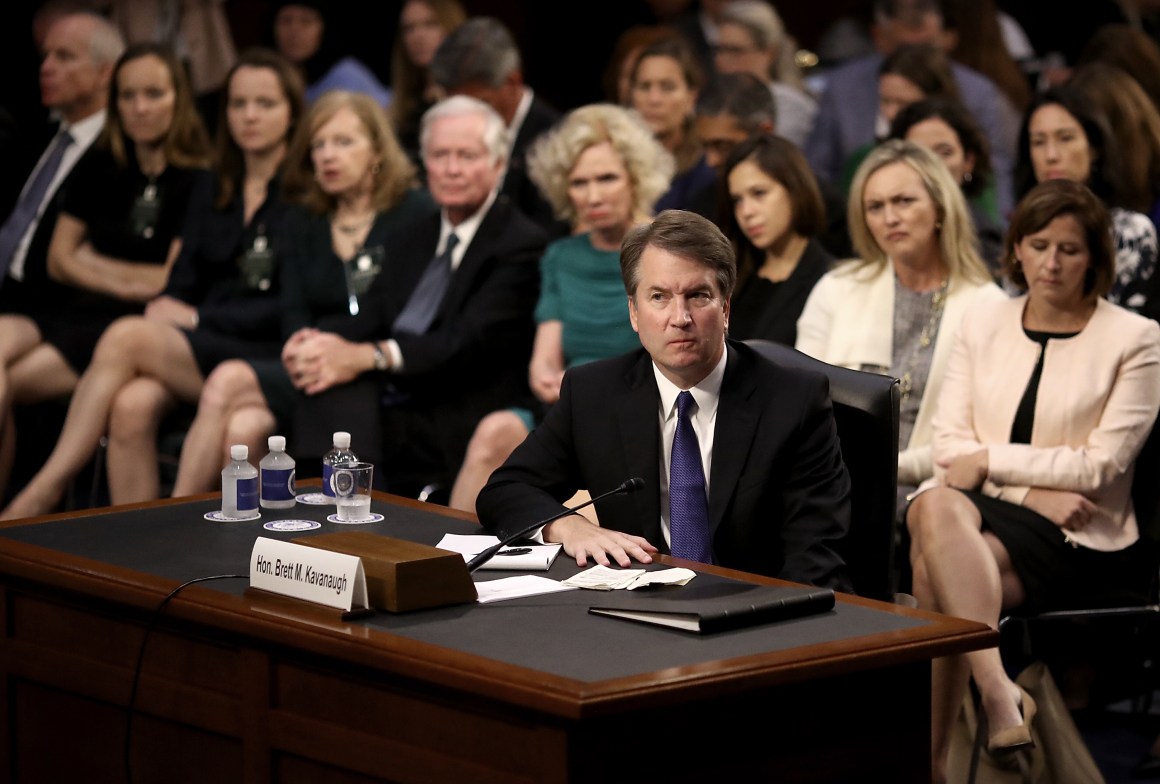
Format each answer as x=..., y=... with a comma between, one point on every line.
x=220, y=302
x=357, y=189
x=117, y=236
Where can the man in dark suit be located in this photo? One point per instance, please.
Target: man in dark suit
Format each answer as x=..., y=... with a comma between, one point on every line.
x=480, y=58
x=423, y=361
x=746, y=474
x=79, y=51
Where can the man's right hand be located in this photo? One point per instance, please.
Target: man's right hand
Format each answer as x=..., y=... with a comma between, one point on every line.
x=583, y=539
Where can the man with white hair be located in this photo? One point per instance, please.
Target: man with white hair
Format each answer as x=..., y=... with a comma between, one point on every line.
x=446, y=332
x=79, y=52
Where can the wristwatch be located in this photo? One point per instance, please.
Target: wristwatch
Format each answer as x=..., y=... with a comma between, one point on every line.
x=382, y=361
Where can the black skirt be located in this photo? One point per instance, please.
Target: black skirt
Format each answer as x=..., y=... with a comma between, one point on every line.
x=1057, y=574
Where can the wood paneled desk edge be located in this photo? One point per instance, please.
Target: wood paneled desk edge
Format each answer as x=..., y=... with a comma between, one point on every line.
x=238, y=687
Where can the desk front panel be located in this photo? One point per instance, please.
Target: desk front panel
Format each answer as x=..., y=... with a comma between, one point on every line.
x=532, y=690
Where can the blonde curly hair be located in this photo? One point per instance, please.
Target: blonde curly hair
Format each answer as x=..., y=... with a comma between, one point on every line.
x=553, y=156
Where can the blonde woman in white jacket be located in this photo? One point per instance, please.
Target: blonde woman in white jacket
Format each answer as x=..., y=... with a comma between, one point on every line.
x=896, y=308
x=1046, y=403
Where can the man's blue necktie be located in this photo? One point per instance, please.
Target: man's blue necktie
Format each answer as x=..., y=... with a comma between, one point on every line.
x=28, y=207
x=688, y=503
x=421, y=307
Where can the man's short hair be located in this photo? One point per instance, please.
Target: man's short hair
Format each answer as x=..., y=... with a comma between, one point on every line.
x=742, y=96
x=685, y=234
x=495, y=133
x=479, y=51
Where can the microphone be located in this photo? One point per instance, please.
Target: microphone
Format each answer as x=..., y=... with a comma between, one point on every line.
x=628, y=486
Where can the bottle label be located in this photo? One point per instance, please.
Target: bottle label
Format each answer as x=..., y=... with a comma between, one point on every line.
x=277, y=484
x=248, y=495
x=327, y=470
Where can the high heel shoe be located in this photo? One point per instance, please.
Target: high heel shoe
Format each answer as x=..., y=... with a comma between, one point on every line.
x=1012, y=739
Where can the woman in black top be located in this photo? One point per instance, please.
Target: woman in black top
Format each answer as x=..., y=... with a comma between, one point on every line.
x=221, y=300
x=773, y=215
x=357, y=190
x=117, y=235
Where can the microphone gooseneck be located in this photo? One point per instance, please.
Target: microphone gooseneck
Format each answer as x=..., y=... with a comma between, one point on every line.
x=627, y=486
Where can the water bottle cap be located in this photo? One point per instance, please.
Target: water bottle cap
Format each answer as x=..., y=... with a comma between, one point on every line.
x=276, y=443
x=239, y=452
x=342, y=439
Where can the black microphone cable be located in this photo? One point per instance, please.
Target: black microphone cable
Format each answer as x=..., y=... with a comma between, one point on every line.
x=153, y=618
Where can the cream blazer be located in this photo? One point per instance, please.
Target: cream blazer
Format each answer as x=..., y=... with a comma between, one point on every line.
x=1097, y=399
x=848, y=321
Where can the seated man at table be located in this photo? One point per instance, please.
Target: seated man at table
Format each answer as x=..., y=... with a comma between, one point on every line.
x=739, y=456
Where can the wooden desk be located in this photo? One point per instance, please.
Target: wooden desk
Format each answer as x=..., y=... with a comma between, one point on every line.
x=242, y=688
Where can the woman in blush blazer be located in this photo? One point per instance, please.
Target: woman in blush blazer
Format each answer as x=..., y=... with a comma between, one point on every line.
x=1047, y=400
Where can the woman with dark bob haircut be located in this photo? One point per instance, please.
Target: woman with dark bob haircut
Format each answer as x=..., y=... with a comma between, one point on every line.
x=772, y=213
x=1046, y=403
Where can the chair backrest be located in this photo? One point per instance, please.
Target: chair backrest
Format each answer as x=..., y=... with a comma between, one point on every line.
x=866, y=414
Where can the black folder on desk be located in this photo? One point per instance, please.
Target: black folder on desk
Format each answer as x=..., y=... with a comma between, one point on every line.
x=715, y=607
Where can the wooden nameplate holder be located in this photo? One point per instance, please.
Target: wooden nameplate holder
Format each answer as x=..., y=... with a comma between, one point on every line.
x=401, y=575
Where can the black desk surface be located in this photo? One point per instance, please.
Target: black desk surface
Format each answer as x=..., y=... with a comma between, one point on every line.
x=551, y=633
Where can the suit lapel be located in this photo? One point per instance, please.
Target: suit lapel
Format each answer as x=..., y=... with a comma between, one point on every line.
x=637, y=416
x=732, y=435
x=481, y=248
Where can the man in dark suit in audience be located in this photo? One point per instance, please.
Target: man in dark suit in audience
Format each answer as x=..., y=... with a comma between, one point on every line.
x=445, y=331
x=739, y=456
x=79, y=51
x=480, y=58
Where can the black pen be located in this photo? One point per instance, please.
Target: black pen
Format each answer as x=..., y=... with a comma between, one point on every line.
x=515, y=551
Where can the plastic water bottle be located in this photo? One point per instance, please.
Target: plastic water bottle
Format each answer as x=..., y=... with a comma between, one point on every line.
x=239, y=484
x=277, y=472
x=339, y=454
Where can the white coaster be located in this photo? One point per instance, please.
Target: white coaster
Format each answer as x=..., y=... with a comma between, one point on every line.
x=315, y=499
x=218, y=517
x=292, y=525
x=374, y=518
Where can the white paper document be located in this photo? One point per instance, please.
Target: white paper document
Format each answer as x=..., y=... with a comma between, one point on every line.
x=530, y=558
x=516, y=587
x=604, y=578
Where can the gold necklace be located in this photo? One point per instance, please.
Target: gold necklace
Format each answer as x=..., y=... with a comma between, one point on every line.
x=925, y=338
x=353, y=228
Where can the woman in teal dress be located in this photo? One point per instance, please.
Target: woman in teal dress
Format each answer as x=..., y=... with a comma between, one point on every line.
x=603, y=170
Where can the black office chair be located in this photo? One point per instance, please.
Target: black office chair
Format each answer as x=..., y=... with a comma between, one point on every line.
x=866, y=413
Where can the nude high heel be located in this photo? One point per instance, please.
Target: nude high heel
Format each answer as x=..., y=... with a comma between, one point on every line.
x=1012, y=739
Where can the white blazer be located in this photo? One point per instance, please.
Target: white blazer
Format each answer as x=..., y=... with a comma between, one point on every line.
x=848, y=321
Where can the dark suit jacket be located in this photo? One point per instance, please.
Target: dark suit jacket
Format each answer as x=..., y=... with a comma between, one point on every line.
x=779, y=492
x=473, y=359
x=517, y=186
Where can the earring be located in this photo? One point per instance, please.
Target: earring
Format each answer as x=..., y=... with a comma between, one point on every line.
x=967, y=177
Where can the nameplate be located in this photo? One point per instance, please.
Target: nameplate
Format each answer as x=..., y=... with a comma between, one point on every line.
x=309, y=573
